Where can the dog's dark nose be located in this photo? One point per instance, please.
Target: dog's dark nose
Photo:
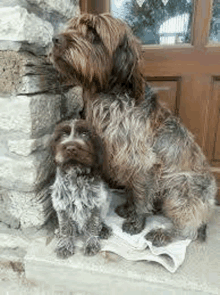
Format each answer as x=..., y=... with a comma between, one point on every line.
x=71, y=149
x=56, y=39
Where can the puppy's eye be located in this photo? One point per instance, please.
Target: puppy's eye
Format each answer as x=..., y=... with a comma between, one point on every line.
x=66, y=130
x=84, y=134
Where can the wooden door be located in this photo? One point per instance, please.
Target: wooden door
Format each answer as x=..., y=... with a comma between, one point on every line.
x=187, y=77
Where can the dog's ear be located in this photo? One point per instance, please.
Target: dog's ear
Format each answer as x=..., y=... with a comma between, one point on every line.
x=55, y=137
x=125, y=59
x=99, y=152
x=52, y=145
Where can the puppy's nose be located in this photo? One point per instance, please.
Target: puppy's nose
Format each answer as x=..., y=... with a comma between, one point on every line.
x=71, y=149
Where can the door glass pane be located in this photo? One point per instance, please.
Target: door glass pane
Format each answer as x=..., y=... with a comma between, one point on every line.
x=214, y=36
x=157, y=21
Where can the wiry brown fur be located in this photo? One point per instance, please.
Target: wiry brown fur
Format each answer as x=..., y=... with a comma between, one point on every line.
x=147, y=149
x=79, y=196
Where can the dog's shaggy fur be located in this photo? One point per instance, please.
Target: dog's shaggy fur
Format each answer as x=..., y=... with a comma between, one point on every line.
x=147, y=149
x=80, y=198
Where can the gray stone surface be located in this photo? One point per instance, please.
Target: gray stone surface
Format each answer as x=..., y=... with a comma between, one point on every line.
x=25, y=73
x=113, y=275
x=25, y=147
x=11, y=65
x=5, y=216
x=13, y=3
x=16, y=24
x=45, y=113
x=27, y=208
x=30, y=106
x=28, y=265
x=22, y=174
x=34, y=115
x=10, y=45
x=67, y=8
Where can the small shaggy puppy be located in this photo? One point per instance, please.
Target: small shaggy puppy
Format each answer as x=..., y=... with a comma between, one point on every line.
x=147, y=149
x=79, y=196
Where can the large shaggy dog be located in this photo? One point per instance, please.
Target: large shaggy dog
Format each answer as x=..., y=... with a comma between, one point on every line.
x=147, y=149
x=80, y=197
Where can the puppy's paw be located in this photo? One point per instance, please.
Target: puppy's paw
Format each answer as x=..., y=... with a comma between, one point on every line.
x=159, y=237
x=63, y=252
x=123, y=210
x=134, y=225
x=105, y=232
x=65, y=248
x=92, y=246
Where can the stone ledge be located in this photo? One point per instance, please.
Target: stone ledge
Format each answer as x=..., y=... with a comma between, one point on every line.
x=108, y=274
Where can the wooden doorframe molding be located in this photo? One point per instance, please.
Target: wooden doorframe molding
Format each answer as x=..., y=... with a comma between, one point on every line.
x=83, y=6
x=201, y=25
x=94, y=6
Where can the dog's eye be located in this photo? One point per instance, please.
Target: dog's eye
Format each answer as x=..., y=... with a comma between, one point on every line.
x=84, y=134
x=66, y=130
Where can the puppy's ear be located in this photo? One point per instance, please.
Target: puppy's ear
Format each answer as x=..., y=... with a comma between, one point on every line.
x=54, y=138
x=99, y=152
x=52, y=145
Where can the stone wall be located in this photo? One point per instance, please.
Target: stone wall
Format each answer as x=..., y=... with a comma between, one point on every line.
x=31, y=103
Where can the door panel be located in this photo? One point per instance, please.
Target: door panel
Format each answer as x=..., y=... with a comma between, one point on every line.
x=168, y=92
x=217, y=142
x=214, y=127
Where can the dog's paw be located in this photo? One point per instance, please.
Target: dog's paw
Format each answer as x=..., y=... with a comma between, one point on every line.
x=65, y=248
x=105, y=232
x=92, y=246
x=133, y=226
x=159, y=237
x=63, y=252
x=123, y=210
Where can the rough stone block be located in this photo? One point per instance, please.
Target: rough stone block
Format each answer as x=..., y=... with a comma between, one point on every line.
x=30, y=209
x=34, y=115
x=16, y=24
x=45, y=112
x=24, y=73
x=12, y=3
x=5, y=216
x=67, y=8
x=23, y=174
x=10, y=71
x=25, y=147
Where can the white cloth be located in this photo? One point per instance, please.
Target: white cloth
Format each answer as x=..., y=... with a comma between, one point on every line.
x=136, y=247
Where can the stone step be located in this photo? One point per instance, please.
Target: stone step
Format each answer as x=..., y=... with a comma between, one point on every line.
x=107, y=273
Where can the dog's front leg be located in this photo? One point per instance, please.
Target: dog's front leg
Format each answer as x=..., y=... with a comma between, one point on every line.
x=144, y=191
x=92, y=230
x=67, y=232
x=125, y=210
x=136, y=215
x=135, y=223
